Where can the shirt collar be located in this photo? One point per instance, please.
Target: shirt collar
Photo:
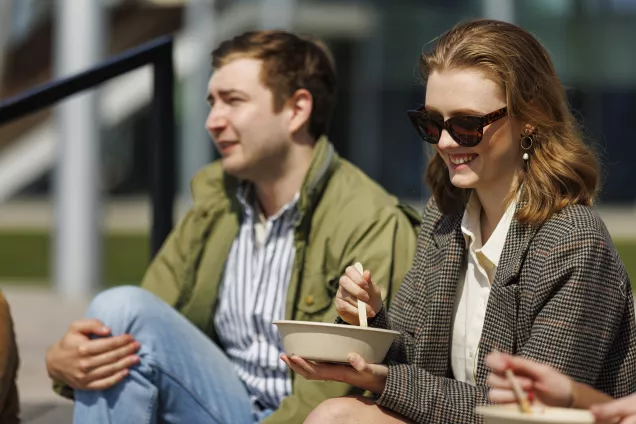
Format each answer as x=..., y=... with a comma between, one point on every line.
x=472, y=230
x=245, y=195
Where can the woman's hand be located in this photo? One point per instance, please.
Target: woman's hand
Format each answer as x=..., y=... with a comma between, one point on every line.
x=549, y=386
x=354, y=286
x=371, y=377
x=621, y=410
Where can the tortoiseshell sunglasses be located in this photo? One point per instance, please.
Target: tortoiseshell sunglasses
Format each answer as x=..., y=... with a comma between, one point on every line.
x=466, y=130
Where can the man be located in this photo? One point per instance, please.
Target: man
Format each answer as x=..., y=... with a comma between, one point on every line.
x=274, y=224
x=9, y=405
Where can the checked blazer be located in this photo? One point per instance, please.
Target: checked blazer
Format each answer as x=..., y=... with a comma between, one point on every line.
x=560, y=296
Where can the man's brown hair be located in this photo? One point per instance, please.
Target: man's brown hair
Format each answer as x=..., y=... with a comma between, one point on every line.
x=290, y=63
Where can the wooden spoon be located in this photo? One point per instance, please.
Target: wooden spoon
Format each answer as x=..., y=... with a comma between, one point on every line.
x=362, y=307
x=522, y=400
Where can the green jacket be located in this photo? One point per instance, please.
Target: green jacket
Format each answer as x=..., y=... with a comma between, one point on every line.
x=344, y=217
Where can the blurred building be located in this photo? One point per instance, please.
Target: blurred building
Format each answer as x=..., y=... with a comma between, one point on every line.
x=376, y=44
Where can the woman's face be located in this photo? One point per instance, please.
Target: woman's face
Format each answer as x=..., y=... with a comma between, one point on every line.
x=491, y=166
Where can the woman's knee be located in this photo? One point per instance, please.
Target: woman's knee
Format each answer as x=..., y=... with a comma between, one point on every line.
x=340, y=410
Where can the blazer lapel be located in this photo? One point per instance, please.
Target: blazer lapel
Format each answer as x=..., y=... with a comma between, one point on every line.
x=445, y=265
x=514, y=252
x=500, y=324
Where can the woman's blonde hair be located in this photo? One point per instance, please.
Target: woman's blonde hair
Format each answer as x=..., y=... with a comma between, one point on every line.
x=562, y=169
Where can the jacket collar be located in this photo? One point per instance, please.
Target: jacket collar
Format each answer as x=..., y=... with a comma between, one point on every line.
x=323, y=164
x=213, y=189
x=447, y=234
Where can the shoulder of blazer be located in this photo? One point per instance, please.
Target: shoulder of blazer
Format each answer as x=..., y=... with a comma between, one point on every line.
x=581, y=220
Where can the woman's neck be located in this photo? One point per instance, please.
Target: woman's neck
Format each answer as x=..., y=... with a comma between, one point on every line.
x=493, y=207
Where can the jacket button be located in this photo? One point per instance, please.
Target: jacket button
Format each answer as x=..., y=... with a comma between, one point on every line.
x=309, y=300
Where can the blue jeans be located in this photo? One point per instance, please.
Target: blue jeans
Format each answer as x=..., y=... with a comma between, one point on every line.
x=183, y=377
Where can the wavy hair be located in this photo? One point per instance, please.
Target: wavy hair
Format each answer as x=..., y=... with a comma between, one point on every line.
x=562, y=169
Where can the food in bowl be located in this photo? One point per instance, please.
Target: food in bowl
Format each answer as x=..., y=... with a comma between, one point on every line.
x=510, y=414
x=324, y=342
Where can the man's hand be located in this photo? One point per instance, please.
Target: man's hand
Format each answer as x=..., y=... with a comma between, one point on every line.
x=371, y=377
x=89, y=363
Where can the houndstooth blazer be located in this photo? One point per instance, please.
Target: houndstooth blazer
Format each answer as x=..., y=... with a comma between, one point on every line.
x=561, y=296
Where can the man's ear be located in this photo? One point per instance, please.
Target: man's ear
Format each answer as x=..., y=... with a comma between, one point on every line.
x=300, y=106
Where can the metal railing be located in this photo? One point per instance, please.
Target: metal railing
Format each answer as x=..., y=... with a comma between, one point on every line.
x=157, y=53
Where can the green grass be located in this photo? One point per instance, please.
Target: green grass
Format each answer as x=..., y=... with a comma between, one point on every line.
x=26, y=256
x=627, y=252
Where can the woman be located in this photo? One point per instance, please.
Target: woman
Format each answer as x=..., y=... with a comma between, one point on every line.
x=9, y=405
x=511, y=256
x=553, y=388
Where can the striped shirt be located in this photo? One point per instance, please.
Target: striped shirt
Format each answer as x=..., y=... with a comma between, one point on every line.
x=253, y=294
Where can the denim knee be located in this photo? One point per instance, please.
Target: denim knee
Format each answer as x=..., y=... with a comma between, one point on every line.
x=119, y=307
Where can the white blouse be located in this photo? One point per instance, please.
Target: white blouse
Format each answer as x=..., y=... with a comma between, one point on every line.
x=473, y=290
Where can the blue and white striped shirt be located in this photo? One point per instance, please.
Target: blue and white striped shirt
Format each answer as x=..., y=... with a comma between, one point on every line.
x=253, y=294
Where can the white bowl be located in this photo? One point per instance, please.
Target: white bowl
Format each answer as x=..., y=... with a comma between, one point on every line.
x=325, y=342
x=510, y=414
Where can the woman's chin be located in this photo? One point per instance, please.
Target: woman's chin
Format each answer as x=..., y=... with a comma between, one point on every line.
x=463, y=181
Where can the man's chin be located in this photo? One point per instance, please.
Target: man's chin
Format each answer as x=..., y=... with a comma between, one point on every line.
x=234, y=168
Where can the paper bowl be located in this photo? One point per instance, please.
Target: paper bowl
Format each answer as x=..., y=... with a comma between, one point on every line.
x=324, y=342
x=510, y=414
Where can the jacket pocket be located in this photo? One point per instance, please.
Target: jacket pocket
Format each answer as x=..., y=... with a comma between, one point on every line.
x=317, y=296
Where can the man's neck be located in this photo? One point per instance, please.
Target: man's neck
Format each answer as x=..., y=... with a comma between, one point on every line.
x=272, y=195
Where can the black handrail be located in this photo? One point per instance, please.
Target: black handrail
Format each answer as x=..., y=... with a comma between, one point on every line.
x=157, y=53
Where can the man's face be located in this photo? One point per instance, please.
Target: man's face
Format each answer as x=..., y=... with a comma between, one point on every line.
x=250, y=137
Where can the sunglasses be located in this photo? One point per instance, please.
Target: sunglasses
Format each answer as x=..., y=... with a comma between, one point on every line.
x=466, y=130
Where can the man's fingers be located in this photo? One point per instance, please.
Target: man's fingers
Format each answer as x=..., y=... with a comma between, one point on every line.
x=110, y=368
x=89, y=326
x=111, y=357
x=107, y=383
x=102, y=345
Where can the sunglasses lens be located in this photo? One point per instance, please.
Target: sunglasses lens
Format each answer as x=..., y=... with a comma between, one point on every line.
x=465, y=130
x=428, y=129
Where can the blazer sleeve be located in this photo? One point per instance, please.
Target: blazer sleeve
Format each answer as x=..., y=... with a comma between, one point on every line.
x=584, y=325
x=583, y=318
x=406, y=302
